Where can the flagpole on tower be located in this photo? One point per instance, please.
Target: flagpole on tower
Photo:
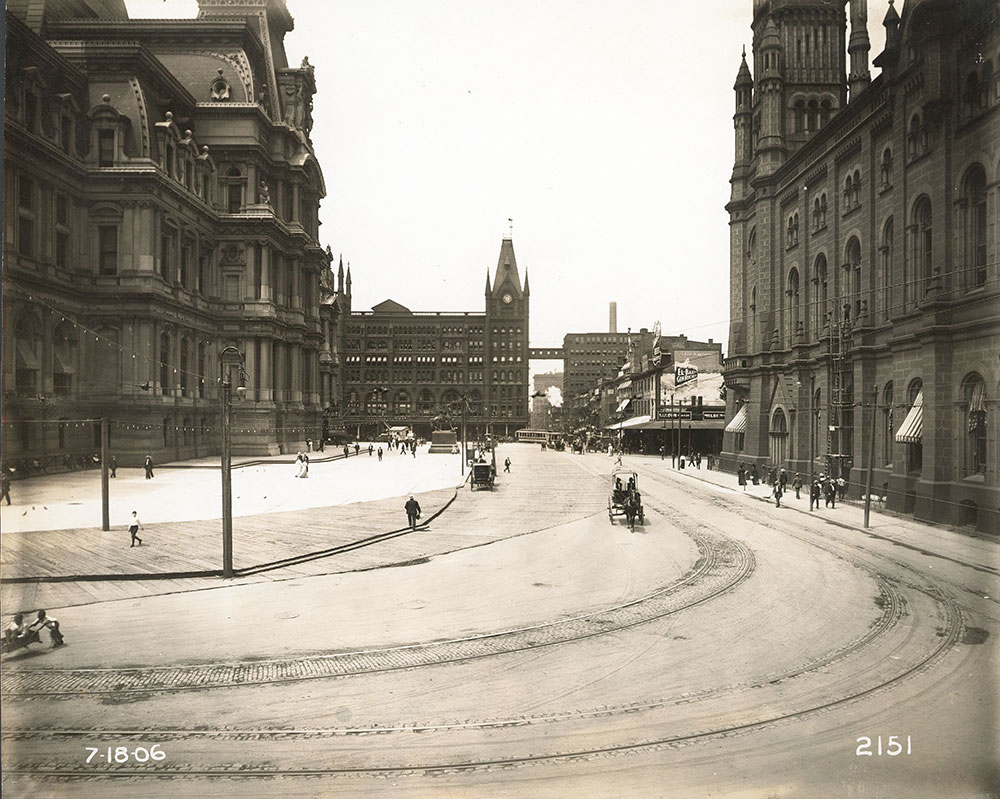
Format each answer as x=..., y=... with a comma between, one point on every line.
x=510, y=223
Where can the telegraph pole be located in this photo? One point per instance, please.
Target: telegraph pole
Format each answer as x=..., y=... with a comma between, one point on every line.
x=105, y=488
x=226, y=394
x=871, y=455
x=812, y=430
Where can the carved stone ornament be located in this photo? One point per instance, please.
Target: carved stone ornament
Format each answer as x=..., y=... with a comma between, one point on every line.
x=232, y=253
x=220, y=88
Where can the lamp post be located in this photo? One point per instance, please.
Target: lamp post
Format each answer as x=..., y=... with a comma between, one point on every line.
x=229, y=357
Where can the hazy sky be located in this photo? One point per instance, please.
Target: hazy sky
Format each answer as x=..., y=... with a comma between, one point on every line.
x=602, y=127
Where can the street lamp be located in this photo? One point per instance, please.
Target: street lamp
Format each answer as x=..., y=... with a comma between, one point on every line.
x=228, y=358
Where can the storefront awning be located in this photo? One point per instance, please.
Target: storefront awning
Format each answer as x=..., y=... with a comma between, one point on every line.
x=913, y=425
x=635, y=421
x=739, y=421
x=623, y=404
x=625, y=384
x=977, y=406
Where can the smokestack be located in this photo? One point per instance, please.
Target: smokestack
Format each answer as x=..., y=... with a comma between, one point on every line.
x=613, y=318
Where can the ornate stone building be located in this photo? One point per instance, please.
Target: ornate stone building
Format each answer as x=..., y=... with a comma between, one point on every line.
x=161, y=195
x=399, y=367
x=864, y=242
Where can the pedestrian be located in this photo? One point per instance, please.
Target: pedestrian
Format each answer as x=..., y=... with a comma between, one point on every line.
x=841, y=488
x=506, y=465
x=830, y=493
x=347, y=451
x=662, y=452
x=5, y=487
x=357, y=448
x=114, y=466
x=754, y=475
x=783, y=479
x=772, y=477
x=380, y=454
x=53, y=625
x=322, y=443
x=697, y=460
x=305, y=465
x=814, y=494
x=298, y=464
x=412, y=512
x=741, y=477
x=134, y=526
x=413, y=449
x=371, y=449
x=148, y=466
x=797, y=484
x=680, y=461
x=779, y=489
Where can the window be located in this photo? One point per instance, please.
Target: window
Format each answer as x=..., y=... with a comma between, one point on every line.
x=974, y=226
x=30, y=111
x=885, y=264
x=105, y=148
x=107, y=244
x=66, y=134
x=185, y=263
x=165, y=364
x=234, y=190
x=922, y=241
x=822, y=293
x=65, y=346
x=916, y=137
x=402, y=405
x=26, y=217
x=167, y=254
x=974, y=392
x=914, y=450
x=184, y=366
x=852, y=283
x=62, y=230
x=887, y=429
x=794, y=322
x=885, y=168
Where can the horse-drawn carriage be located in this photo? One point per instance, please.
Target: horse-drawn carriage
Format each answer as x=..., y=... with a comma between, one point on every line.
x=483, y=475
x=625, y=499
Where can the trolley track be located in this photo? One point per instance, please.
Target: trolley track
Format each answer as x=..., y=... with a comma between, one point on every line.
x=892, y=606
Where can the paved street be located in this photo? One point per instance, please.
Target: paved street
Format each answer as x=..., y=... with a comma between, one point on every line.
x=519, y=645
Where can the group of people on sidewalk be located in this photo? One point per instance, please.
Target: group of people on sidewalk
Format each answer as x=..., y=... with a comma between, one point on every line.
x=824, y=486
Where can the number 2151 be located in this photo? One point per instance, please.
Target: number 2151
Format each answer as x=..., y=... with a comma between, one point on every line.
x=893, y=746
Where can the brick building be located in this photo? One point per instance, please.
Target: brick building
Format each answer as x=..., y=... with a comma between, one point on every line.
x=399, y=367
x=864, y=243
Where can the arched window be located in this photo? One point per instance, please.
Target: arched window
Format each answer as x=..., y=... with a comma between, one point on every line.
x=885, y=168
x=852, y=282
x=916, y=137
x=165, y=364
x=402, y=404
x=815, y=214
x=974, y=394
x=914, y=449
x=974, y=226
x=65, y=350
x=885, y=267
x=848, y=192
x=813, y=120
x=825, y=109
x=799, y=116
x=856, y=190
x=352, y=402
x=234, y=190
x=922, y=243
x=375, y=404
x=28, y=342
x=887, y=429
x=450, y=401
x=822, y=292
x=794, y=318
x=425, y=402
x=778, y=438
x=823, y=205
x=185, y=366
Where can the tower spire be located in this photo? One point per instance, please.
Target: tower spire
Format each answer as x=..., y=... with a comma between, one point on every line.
x=858, y=48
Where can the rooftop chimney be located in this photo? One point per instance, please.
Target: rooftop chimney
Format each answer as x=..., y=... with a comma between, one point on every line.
x=613, y=318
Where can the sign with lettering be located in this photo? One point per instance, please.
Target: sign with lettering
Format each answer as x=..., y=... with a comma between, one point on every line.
x=685, y=374
x=657, y=355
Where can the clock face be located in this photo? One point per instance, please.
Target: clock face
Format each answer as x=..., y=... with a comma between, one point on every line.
x=507, y=298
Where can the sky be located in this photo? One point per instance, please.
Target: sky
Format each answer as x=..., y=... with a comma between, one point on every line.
x=602, y=128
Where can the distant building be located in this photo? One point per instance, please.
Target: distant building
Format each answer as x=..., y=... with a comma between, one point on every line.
x=864, y=248
x=161, y=205
x=401, y=367
x=544, y=414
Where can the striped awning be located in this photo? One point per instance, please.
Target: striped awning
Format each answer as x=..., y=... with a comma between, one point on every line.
x=625, y=384
x=623, y=404
x=739, y=422
x=913, y=425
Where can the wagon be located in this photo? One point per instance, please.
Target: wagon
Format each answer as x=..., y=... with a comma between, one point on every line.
x=624, y=498
x=483, y=475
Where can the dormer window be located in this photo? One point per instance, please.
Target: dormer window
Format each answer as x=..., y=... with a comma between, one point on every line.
x=105, y=147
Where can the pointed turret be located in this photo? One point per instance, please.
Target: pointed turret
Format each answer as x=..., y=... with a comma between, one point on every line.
x=859, y=46
x=770, y=80
x=488, y=289
x=507, y=278
x=348, y=280
x=742, y=121
x=527, y=291
x=340, y=275
x=890, y=55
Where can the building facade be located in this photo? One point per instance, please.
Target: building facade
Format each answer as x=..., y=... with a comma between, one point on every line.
x=161, y=196
x=546, y=404
x=399, y=367
x=589, y=359
x=864, y=223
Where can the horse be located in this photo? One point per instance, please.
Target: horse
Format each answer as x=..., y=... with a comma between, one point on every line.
x=631, y=506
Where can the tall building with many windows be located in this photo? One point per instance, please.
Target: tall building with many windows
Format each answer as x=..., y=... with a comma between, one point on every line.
x=161, y=195
x=402, y=368
x=864, y=224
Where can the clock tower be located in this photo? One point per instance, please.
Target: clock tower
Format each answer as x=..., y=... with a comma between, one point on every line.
x=506, y=334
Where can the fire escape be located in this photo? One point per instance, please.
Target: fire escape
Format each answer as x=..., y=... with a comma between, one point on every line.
x=840, y=430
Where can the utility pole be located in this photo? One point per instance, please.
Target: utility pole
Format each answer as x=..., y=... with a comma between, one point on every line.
x=226, y=361
x=105, y=492
x=812, y=430
x=871, y=455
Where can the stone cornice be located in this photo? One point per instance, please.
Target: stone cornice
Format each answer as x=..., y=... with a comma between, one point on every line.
x=217, y=30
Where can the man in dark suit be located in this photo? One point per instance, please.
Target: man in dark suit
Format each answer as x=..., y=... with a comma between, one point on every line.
x=412, y=512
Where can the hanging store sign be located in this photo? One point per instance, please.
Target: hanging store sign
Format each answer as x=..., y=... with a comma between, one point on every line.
x=657, y=355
